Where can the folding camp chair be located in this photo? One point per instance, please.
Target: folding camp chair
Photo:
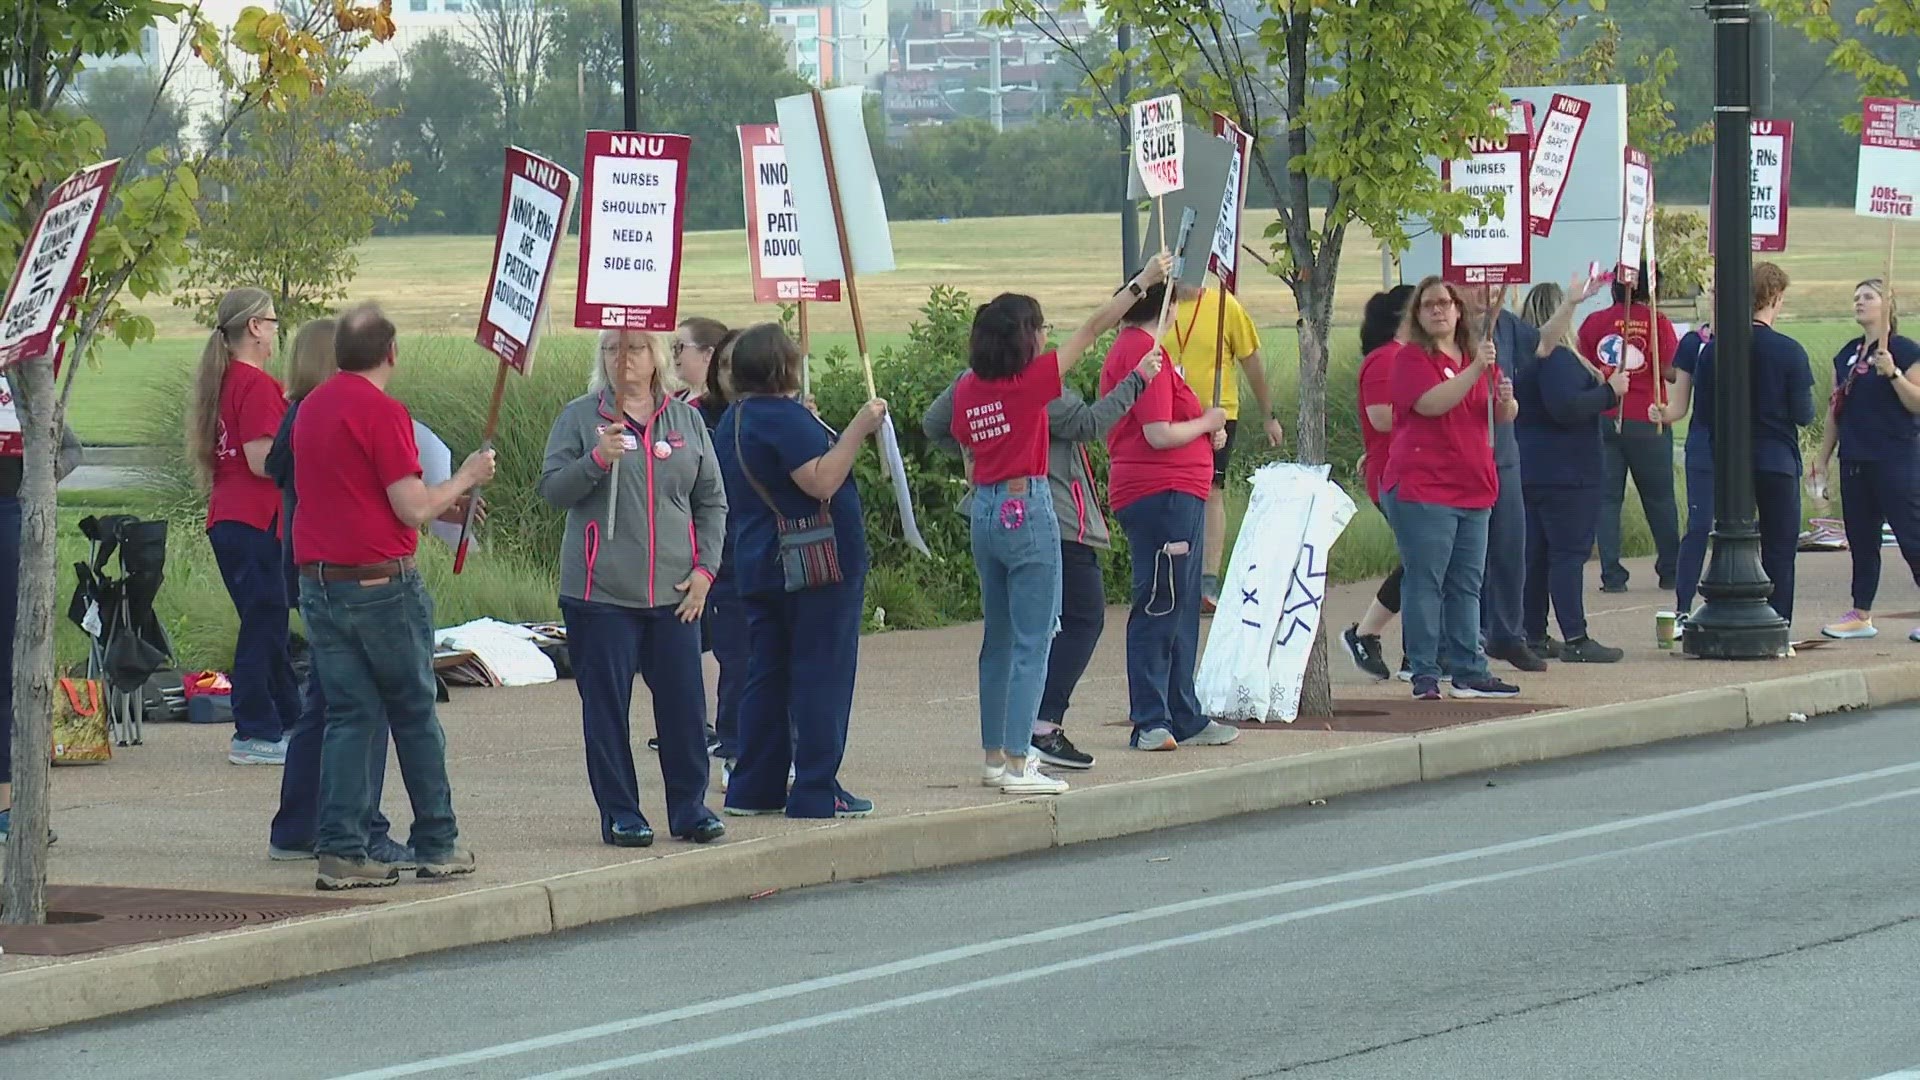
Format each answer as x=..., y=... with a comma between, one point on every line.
x=129, y=643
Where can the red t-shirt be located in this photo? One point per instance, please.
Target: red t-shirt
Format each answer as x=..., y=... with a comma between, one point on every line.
x=1003, y=422
x=1615, y=336
x=251, y=406
x=350, y=442
x=1137, y=469
x=1447, y=459
x=1376, y=379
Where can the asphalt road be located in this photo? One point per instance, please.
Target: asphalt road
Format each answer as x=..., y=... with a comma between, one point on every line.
x=1745, y=906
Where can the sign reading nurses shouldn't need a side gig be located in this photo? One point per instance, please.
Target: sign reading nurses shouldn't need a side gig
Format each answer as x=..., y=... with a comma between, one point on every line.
x=630, y=241
x=1493, y=250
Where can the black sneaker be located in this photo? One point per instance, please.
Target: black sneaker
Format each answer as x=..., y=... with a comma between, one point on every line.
x=1426, y=688
x=1364, y=651
x=1613, y=587
x=1519, y=656
x=1484, y=686
x=713, y=743
x=1057, y=750
x=1548, y=647
x=1405, y=672
x=1667, y=583
x=1585, y=650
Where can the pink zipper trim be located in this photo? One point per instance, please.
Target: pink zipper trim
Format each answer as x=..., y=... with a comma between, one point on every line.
x=646, y=446
x=591, y=542
x=1079, y=511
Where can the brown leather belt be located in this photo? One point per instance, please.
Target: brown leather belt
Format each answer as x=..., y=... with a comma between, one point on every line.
x=379, y=571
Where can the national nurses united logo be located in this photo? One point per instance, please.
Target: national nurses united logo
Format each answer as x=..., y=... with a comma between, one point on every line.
x=1614, y=349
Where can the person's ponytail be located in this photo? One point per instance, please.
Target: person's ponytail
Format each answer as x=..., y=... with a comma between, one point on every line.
x=203, y=398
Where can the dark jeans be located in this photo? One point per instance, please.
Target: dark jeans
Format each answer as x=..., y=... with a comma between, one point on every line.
x=608, y=645
x=266, y=699
x=1083, y=615
x=1163, y=629
x=293, y=825
x=726, y=623
x=804, y=647
x=1693, y=546
x=9, y=612
x=1504, y=580
x=1873, y=493
x=373, y=652
x=1646, y=451
x=1389, y=592
x=1777, y=500
x=1444, y=552
x=1560, y=527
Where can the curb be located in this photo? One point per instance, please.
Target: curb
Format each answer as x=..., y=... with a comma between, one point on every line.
x=82, y=990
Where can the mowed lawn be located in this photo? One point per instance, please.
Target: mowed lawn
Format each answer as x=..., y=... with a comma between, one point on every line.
x=432, y=285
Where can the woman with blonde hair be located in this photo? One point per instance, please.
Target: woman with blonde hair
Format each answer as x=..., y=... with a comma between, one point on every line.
x=232, y=413
x=1561, y=464
x=633, y=467
x=311, y=362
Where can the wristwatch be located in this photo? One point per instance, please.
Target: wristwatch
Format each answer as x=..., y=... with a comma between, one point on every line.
x=1134, y=288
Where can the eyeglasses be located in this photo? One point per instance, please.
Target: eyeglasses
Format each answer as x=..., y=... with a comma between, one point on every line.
x=631, y=348
x=1438, y=304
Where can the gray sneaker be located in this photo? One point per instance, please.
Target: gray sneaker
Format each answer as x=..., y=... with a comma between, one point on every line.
x=1154, y=739
x=1214, y=734
x=257, y=752
x=337, y=874
x=453, y=864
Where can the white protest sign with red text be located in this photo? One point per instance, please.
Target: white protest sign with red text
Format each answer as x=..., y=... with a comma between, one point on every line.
x=1159, y=144
x=773, y=221
x=1224, y=260
x=630, y=243
x=1769, y=178
x=536, y=201
x=1553, y=153
x=1493, y=250
x=1889, y=159
x=51, y=262
x=1636, y=210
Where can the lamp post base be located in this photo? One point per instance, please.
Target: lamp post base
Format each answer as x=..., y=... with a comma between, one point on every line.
x=1747, y=642
x=1737, y=622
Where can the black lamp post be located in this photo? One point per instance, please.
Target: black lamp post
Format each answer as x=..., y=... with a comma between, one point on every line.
x=1129, y=210
x=629, y=88
x=1737, y=623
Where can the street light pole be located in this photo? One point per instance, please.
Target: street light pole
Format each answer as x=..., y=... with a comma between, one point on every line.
x=1129, y=214
x=629, y=78
x=1737, y=623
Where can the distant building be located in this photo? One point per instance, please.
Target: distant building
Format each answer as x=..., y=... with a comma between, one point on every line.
x=833, y=42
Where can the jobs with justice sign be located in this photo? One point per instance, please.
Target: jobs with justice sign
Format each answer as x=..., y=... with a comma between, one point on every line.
x=635, y=205
x=50, y=263
x=773, y=221
x=1493, y=250
x=535, y=202
x=1159, y=143
x=1889, y=159
x=1558, y=138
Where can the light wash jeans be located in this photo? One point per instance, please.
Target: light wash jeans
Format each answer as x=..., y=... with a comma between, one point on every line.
x=1444, y=552
x=1016, y=549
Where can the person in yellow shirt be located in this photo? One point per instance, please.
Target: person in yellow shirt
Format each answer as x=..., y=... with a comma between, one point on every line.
x=1190, y=341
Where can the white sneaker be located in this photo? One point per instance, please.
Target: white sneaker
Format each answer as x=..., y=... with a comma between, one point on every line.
x=1214, y=734
x=726, y=774
x=992, y=775
x=1031, y=782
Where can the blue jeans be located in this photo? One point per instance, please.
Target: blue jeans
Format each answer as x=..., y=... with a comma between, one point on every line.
x=1444, y=552
x=9, y=611
x=727, y=636
x=1163, y=629
x=1016, y=549
x=1083, y=615
x=293, y=825
x=1505, y=578
x=266, y=699
x=608, y=644
x=803, y=649
x=373, y=653
x=1561, y=522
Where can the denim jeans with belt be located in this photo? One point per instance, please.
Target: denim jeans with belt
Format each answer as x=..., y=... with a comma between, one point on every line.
x=266, y=698
x=1016, y=549
x=1444, y=552
x=373, y=651
x=1163, y=629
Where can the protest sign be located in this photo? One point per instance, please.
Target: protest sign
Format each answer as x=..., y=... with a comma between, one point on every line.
x=1493, y=250
x=1206, y=168
x=1224, y=260
x=51, y=262
x=851, y=202
x=1159, y=143
x=1889, y=180
x=536, y=202
x=636, y=195
x=773, y=221
x=1635, y=212
x=1553, y=154
x=1770, y=176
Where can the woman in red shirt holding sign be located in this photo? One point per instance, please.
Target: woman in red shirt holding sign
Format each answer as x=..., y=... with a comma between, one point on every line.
x=1439, y=490
x=232, y=416
x=1000, y=421
x=1615, y=338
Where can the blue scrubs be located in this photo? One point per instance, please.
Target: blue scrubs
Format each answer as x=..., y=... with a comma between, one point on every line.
x=1879, y=462
x=1562, y=458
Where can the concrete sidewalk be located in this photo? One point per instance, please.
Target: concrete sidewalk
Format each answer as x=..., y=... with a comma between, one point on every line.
x=174, y=814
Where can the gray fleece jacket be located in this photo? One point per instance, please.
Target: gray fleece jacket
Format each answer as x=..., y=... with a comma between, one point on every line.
x=1071, y=423
x=673, y=508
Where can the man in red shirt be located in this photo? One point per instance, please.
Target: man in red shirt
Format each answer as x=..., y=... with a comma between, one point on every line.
x=360, y=505
x=1621, y=338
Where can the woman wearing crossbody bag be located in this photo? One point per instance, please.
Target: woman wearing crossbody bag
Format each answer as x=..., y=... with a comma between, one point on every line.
x=799, y=569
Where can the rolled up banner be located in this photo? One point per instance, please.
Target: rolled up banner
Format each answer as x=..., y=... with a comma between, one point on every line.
x=897, y=474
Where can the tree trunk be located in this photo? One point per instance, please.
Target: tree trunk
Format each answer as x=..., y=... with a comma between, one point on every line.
x=1316, y=689
x=36, y=398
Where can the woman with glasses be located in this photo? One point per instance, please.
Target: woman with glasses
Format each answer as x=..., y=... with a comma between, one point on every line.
x=634, y=469
x=1871, y=418
x=233, y=410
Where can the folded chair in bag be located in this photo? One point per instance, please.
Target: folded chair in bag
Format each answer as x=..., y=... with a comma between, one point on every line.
x=129, y=643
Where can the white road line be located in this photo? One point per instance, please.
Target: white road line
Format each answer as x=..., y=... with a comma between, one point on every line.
x=1092, y=926
x=1012, y=978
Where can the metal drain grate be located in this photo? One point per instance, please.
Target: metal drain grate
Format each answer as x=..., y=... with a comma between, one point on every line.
x=88, y=918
